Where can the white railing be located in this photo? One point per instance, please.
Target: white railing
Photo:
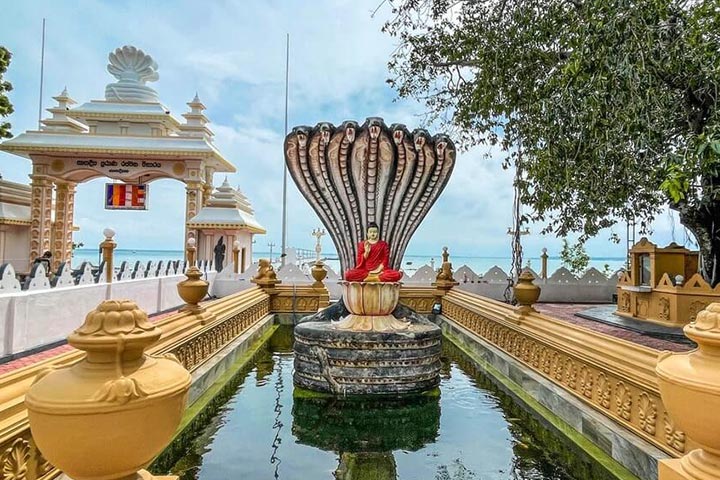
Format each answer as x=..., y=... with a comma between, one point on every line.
x=46, y=309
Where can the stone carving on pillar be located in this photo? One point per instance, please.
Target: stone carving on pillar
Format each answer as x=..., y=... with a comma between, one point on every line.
x=40, y=215
x=193, y=197
x=63, y=226
x=353, y=176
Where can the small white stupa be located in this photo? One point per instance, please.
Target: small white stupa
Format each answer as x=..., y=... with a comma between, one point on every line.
x=226, y=224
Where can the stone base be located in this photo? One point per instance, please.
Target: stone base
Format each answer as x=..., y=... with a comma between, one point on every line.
x=347, y=362
x=696, y=465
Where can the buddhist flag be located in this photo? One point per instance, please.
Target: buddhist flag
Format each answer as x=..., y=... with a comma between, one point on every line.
x=121, y=196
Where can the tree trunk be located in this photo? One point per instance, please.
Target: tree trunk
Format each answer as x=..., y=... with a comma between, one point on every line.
x=704, y=223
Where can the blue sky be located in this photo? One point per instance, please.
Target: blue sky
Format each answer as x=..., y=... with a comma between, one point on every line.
x=232, y=53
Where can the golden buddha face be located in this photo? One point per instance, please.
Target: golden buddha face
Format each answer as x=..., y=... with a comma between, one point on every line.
x=372, y=234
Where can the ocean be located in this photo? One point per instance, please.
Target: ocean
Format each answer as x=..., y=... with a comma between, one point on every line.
x=410, y=263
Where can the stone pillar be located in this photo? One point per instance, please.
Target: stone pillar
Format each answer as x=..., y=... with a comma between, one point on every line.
x=544, y=259
x=40, y=215
x=193, y=202
x=62, y=234
x=207, y=191
x=207, y=185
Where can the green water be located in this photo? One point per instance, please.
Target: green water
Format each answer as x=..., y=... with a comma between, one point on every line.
x=467, y=431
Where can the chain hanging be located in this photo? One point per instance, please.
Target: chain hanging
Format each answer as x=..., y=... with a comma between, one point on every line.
x=515, y=233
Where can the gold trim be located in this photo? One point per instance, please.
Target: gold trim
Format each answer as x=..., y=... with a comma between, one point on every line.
x=12, y=221
x=616, y=378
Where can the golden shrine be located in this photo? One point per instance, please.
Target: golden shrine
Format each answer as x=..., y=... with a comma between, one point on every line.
x=663, y=285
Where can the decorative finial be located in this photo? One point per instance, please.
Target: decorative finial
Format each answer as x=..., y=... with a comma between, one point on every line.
x=133, y=68
x=64, y=93
x=196, y=99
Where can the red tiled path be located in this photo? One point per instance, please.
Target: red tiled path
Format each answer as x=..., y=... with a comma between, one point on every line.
x=45, y=354
x=567, y=311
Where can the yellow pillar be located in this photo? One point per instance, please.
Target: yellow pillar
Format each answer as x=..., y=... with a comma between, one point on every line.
x=689, y=387
x=62, y=234
x=193, y=202
x=40, y=215
x=236, y=257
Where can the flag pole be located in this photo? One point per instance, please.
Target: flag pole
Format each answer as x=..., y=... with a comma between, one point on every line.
x=42, y=74
x=284, y=195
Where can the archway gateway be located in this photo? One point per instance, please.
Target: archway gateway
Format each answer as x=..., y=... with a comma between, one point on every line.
x=130, y=136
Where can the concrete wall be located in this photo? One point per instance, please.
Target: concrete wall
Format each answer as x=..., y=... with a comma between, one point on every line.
x=14, y=241
x=30, y=319
x=560, y=287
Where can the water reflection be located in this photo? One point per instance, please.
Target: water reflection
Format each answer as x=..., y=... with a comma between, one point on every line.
x=259, y=427
x=365, y=432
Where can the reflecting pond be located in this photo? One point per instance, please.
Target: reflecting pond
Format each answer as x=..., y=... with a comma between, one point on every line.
x=466, y=430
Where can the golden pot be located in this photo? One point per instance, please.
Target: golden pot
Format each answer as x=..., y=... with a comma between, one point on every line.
x=318, y=273
x=526, y=293
x=690, y=389
x=371, y=298
x=109, y=415
x=194, y=289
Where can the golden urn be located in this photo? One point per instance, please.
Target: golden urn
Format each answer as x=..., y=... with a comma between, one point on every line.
x=371, y=305
x=318, y=273
x=193, y=289
x=526, y=293
x=690, y=389
x=107, y=416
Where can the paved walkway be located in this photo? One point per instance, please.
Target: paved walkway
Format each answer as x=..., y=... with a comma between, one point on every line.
x=561, y=311
x=51, y=352
x=567, y=311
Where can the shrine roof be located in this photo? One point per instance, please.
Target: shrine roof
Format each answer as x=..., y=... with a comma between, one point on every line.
x=224, y=217
x=12, y=214
x=227, y=208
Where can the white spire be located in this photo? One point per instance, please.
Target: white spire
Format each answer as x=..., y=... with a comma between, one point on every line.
x=59, y=120
x=195, y=120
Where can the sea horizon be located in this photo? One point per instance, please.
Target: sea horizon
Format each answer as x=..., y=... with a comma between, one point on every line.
x=479, y=264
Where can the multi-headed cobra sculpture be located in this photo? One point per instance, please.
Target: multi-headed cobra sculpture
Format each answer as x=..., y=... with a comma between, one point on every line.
x=355, y=175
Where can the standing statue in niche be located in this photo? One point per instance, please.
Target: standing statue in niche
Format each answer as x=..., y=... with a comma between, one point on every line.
x=219, y=254
x=373, y=257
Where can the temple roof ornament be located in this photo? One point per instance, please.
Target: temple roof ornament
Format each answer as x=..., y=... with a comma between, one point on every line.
x=130, y=122
x=227, y=208
x=133, y=68
x=196, y=121
x=60, y=121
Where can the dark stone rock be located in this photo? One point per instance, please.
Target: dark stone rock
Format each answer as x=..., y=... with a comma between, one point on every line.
x=345, y=362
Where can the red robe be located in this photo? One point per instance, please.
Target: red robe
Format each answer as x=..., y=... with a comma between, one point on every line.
x=379, y=255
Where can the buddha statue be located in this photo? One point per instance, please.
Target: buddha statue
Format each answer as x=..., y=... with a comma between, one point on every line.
x=372, y=260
